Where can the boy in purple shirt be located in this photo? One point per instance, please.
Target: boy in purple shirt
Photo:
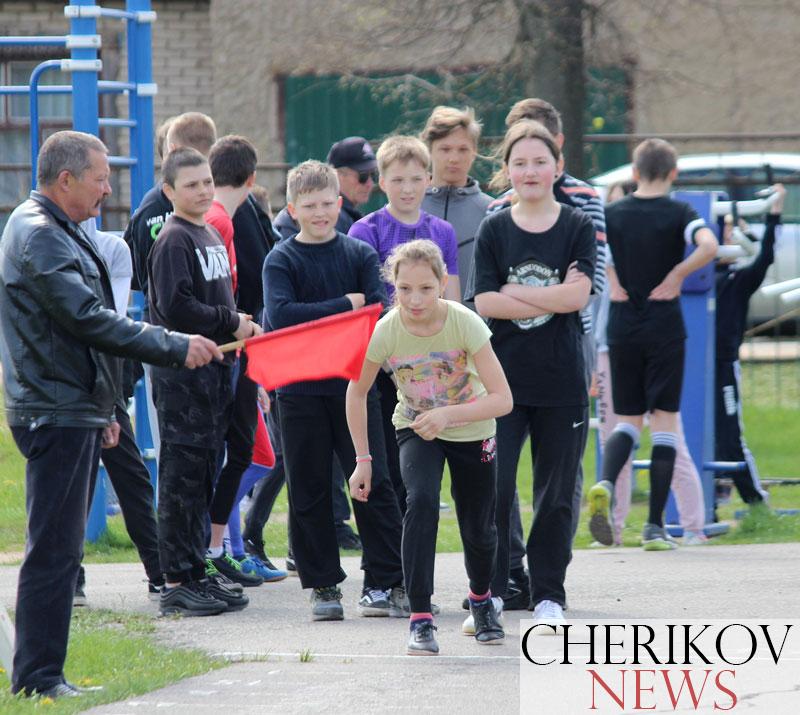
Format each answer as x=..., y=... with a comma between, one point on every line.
x=403, y=165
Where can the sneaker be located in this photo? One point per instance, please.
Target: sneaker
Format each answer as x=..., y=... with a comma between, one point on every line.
x=326, y=604
x=348, y=539
x=255, y=548
x=517, y=596
x=486, y=623
x=375, y=603
x=79, y=597
x=251, y=548
x=601, y=502
x=694, y=538
x=399, y=606
x=548, y=613
x=154, y=590
x=655, y=538
x=190, y=599
x=212, y=572
x=421, y=639
x=253, y=564
x=291, y=566
x=230, y=567
x=234, y=600
x=468, y=626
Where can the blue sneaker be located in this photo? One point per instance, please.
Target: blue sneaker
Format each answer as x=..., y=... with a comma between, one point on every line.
x=253, y=564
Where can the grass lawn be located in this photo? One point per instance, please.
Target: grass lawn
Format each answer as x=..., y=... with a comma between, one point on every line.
x=120, y=654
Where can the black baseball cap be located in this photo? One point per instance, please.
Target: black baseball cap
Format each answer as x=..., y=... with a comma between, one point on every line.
x=354, y=153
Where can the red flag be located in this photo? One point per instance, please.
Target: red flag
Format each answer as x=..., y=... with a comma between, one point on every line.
x=334, y=346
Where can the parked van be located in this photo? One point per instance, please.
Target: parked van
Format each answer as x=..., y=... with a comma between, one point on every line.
x=740, y=176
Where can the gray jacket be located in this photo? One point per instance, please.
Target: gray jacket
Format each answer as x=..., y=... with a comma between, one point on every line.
x=464, y=208
x=58, y=328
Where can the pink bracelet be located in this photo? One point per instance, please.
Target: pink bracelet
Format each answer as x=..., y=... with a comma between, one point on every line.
x=363, y=458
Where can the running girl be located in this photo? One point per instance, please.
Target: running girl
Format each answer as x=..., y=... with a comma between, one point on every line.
x=533, y=269
x=434, y=423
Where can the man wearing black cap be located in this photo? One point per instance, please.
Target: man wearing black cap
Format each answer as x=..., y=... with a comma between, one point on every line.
x=355, y=164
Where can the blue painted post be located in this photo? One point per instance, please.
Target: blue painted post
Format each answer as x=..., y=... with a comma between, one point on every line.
x=85, y=97
x=140, y=103
x=697, y=398
x=85, y=119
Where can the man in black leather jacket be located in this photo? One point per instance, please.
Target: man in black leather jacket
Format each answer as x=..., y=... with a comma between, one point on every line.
x=59, y=334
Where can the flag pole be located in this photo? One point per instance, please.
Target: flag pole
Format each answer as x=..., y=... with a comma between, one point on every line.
x=229, y=347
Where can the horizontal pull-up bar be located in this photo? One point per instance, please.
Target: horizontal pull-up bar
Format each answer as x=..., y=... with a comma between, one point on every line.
x=95, y=11
x=709, y=466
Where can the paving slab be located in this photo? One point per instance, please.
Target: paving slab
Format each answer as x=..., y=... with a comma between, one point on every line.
x=359, y=665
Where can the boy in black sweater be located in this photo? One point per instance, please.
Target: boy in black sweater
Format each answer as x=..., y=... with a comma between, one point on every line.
x=316, y=273
x=190, y=285
x=735, y=285
x=647, y=233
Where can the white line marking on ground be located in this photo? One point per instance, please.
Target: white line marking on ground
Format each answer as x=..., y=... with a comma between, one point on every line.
x=254, y=657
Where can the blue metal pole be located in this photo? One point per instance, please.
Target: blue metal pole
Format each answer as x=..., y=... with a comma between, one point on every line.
x=85, y=98
x=85, y=118
x=140, y=104
x=140, y=108
x=34, y=111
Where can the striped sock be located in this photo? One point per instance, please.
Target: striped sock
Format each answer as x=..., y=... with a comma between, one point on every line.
x=419, y=618
x=474, y=599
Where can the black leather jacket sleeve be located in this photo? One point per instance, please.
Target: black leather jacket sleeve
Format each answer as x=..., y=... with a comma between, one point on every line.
x=55, y=277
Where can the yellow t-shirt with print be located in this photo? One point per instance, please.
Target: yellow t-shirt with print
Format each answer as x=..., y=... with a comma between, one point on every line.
x=436, y=370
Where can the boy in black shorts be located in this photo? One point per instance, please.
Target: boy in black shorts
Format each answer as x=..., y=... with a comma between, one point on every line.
x=647, y=233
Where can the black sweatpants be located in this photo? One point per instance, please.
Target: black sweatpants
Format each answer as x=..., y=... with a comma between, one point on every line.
x=239, y=441
x=131, y=482
x=729, y=440
x=387, y=391
x=313, y=427
x=61, y=466
x=194, y=411
x=185, y=487
x=558, y=437
x=266, y=490
x=472, y=485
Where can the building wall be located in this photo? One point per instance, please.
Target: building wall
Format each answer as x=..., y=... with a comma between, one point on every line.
x=697, y=65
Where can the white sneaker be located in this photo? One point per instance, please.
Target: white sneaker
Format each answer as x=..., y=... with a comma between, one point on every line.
x=548, y=613
x=468, y=626
x=694, y=538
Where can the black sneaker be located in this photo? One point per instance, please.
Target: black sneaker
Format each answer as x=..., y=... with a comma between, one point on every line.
x=79, y=597
x=348, y=539
x=232, y=569
x=326, y=604
x=190, y=599
x=211, y=571
x=518, y=592
x=421, y=639
x=235, y=601
x=488, y=630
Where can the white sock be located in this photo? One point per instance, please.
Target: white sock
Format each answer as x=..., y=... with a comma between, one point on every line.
x=214, y=552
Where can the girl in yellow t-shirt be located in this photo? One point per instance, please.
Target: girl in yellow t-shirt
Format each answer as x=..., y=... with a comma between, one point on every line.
x=450, y=387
